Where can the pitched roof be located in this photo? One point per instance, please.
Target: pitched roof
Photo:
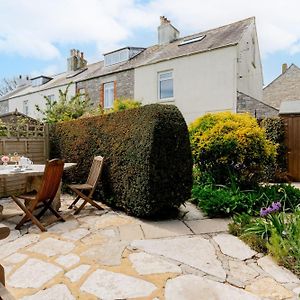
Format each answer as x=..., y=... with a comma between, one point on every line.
x=224, y=36
x=284, y=87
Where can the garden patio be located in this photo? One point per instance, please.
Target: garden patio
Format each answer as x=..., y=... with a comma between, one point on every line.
x=140, y=246
x=110, y=255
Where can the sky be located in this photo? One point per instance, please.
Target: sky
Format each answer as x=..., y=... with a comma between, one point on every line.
x=37, y=35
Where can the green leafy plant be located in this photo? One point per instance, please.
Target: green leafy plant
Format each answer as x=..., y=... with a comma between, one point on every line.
x=274, y=232
x=231, y=146
x=275, y=132
x=66, y=108
x=219, y=200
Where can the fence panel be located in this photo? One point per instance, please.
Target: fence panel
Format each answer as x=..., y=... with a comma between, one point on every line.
x=292, y=127
x=30, y=141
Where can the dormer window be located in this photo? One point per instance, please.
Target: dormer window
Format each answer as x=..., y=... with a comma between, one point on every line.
x=40, y=80
x=121, y=55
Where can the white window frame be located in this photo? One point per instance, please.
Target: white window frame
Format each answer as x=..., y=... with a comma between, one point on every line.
x=109, y=94
x=25, y=107
x=159, y=80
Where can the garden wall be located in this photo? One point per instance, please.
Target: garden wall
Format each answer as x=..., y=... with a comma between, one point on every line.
x=148, y=162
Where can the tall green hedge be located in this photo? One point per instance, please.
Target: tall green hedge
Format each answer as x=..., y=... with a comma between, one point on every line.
x=148, y=162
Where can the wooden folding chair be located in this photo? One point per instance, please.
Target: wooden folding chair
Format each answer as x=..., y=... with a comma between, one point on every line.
x=4, y=294
x=88, y=187
x=44, y=197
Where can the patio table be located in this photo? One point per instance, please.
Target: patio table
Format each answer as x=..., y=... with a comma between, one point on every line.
x=32, y=178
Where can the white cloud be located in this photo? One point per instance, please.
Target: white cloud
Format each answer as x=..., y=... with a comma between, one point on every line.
x=35, y=28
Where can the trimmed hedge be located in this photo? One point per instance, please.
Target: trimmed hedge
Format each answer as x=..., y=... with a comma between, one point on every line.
x=148, y=162
x=275, y=132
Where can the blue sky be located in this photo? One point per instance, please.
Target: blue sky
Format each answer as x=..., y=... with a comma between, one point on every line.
x=36, y=35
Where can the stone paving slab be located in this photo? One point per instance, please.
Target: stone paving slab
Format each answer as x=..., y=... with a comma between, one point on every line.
x=208, y=225
x=33, y=274
x=162, y=229
x=234, y=247
x=146, y=264
x=109, y=255
x=56, y=292
x=110, y=285
x=278, y=273
x=196, y=252
x=51, y=247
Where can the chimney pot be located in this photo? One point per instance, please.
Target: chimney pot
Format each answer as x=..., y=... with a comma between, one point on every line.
x=284, y=68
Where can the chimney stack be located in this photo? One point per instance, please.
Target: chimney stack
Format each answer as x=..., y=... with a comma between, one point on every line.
x=167, y=33
x=284, y=68
x=76, y=60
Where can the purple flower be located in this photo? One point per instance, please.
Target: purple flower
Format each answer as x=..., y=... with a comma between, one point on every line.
x=274, y=207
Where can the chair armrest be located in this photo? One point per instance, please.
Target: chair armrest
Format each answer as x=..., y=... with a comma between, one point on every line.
x=4, y=293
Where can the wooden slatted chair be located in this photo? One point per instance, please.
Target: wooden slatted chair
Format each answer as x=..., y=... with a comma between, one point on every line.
x=44, y=197
x=88, y=187
x=4, y=294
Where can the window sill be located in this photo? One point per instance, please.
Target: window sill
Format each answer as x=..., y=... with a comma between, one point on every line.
x=166, y=100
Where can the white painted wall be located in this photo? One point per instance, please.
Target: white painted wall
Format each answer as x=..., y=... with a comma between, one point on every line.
x=250, y=78
x=204, y=82
x=37, y=98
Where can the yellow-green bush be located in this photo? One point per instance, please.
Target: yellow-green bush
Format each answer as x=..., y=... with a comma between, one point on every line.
x=229, y=147
x=121, y=104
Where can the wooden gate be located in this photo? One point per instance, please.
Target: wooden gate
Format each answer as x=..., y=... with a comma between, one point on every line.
x=292, y=128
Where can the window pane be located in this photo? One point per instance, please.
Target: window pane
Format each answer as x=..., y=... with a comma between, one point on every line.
x=166, y=89
x=108, y=94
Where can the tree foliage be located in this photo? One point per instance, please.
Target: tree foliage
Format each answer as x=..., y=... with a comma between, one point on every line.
x=7, y=85
x=66, y=108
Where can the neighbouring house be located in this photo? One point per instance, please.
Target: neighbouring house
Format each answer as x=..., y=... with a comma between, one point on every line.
x=214, y=70
x=26, y=96
x=200, y=73
x=286, y=87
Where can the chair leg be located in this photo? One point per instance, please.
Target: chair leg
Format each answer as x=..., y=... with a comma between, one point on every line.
x=74, y=202
x=86, y=199
x=2, y=276
x=57, y=215
x=28, y=215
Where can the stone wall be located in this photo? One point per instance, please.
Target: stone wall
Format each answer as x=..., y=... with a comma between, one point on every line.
x=284, y=87
x=124, y=85
x=255, y=107
x=3, y=107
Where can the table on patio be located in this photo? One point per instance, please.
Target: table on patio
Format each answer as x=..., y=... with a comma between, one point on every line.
x=29, y=179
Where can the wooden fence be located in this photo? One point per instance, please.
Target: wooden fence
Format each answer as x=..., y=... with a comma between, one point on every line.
x=292, y=128
x=27, y=140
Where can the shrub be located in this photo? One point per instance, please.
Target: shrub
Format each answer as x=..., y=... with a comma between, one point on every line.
x=275, y=132
x=229, y=147
x=148, y=162
x=121, y=104
x=227, y=201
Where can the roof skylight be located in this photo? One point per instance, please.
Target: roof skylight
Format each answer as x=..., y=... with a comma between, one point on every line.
x=193, y=39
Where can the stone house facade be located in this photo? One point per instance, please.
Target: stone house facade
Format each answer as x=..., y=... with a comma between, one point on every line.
x=285, y=87
x=258, y=109
x=94, y=87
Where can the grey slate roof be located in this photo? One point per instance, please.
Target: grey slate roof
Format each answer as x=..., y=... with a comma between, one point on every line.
x=228, y=35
